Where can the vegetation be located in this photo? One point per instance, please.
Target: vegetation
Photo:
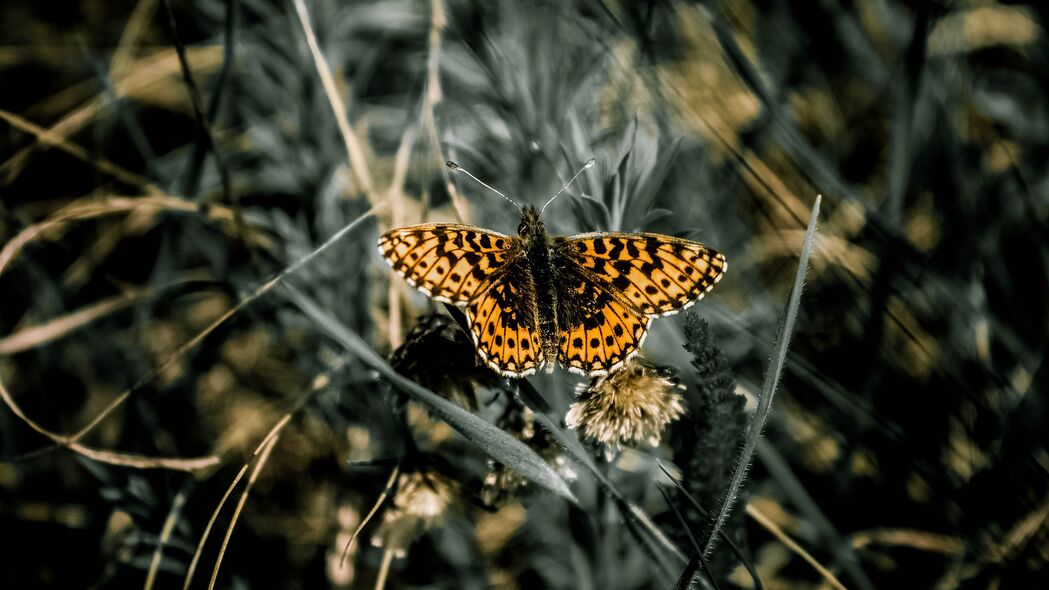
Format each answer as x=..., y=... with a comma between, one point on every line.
x=210, y=377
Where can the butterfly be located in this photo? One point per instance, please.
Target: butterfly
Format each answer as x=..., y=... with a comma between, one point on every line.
x=584, y=301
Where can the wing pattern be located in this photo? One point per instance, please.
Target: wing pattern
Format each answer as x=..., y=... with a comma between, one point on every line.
x=448, y=262
x=613, y=284
x=484, y=271
x=504, y=324
x=598, y=331
x=656, y=274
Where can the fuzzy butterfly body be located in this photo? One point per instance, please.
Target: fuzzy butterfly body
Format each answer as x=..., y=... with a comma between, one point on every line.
x=585, y=301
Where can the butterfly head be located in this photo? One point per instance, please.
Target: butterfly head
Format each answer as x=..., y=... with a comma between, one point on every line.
x=531, y=226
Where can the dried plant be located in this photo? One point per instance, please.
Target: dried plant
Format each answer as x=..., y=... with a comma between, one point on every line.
x=629, y=407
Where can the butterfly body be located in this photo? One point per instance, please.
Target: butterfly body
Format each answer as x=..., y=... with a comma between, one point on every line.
x=583, y=301
x=536, y=243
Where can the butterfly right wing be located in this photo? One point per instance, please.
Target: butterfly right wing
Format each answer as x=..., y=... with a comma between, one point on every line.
x=448, y=262
x=655, y=274
x=612, y=284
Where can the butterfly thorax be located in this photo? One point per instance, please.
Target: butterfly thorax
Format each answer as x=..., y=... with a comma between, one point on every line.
x=537, y=247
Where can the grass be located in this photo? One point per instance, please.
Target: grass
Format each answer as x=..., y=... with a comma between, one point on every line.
x=209, y=378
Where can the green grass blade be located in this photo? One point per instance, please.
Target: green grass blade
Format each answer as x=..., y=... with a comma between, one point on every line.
x=727, y=538
x=501, y=446
x=772, y=375
x=837, y=544
x=635, y=517
x=698, y=555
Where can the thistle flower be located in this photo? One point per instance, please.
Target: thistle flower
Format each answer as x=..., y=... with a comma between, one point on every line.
x=422, y=500
x=628, y=407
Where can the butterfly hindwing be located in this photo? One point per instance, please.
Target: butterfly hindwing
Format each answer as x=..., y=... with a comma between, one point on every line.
x=598, y=331
x=656, y=274
x=504, y=323
x=449, y=262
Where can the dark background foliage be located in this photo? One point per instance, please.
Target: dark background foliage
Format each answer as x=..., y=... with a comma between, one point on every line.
x=906, y=446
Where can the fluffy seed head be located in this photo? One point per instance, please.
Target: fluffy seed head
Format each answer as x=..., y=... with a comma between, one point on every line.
x=421, y=502
x=628, y=407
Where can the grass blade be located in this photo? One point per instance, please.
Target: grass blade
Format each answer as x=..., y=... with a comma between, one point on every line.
x=728, y=539
x=838, y=545
x=768, y=388
x=494, y=441
x=636, y=518
x=692, y=539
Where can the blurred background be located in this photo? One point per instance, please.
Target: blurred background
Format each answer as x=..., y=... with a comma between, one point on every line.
x=161, y=160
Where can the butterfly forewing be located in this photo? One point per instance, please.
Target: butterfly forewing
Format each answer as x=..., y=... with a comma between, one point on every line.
x=451, y=263
x=655, y=274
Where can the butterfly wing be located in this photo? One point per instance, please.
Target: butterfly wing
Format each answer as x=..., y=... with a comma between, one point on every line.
x=610, y=285
x=655, y=274
x=598, y=331
x=483, y=270
x=450, y=263
x=504, y=322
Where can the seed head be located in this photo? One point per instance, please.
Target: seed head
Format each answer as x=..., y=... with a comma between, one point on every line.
x=628, y=407
x=422, y=500
x=438, y=355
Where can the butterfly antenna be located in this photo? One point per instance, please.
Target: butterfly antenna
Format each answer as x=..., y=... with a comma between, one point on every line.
x=588, y=164
x=459, y=168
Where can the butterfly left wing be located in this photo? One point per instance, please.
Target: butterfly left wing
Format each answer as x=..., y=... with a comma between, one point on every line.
x=655, y=274
x=482, y=270
x=448, y=262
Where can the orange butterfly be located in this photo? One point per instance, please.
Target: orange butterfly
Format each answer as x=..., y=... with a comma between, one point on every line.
x=585, y=301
